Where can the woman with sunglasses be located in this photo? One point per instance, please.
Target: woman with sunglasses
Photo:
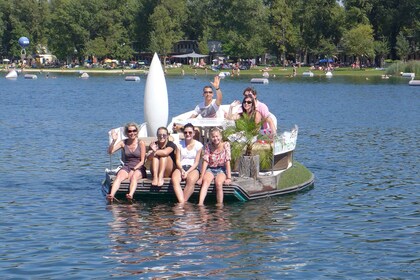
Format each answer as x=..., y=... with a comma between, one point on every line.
x=162, y=156
x=134, y=151
x=187, y=159
x=216, y=165
x=248, y=108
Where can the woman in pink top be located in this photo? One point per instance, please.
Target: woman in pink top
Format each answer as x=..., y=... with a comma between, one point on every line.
x=216, y=165
x=267, y=121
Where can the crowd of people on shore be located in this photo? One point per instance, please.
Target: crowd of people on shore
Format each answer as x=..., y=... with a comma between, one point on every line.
x=189, y=160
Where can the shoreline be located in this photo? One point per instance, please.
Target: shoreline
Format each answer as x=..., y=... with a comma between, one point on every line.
x=257, y=72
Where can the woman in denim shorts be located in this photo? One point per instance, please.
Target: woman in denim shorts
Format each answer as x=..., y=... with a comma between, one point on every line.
x=216, y=165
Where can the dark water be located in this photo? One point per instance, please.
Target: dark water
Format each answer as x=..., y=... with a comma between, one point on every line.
x=361, y=221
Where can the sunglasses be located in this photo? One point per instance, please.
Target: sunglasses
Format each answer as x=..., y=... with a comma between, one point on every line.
x=132, y=131
x=208, y=92
x=247, y=102
x=188, y=132
x=162, y=135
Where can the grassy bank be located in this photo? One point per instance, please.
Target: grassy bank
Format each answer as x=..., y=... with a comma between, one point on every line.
x=257, y=71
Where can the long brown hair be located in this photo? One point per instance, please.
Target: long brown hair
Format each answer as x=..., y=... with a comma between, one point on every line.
x=253, y=107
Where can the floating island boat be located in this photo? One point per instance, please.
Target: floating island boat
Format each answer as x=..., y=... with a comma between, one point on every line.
x=284, y=176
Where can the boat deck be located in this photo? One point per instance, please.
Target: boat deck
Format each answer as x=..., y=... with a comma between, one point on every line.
x=241, y=189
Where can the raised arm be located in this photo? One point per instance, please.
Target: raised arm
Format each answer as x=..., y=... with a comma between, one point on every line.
x=216, y=85
x=114, y=145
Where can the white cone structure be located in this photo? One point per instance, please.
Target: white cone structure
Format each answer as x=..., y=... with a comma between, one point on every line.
x=155, y=98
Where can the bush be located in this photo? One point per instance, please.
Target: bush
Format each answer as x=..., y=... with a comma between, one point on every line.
x=411, y=66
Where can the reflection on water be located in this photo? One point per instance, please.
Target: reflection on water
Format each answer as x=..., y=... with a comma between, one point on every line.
x=168, y=241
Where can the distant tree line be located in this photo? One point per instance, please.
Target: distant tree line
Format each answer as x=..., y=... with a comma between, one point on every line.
x=289, y=29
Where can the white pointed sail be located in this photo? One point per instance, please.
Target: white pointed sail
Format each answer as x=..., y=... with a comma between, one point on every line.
x=155, y=98
x=12, y=75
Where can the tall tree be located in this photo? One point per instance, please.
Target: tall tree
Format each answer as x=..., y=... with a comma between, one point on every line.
x=402, y=46
x=358, y=41
x=166, y=21
x=281, y=28
x=244, y=28
x=382, y=49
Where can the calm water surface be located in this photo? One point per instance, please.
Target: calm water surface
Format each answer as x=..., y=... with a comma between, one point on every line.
x=361, y=220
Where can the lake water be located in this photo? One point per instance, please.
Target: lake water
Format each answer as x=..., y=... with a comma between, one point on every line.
x=360, y=137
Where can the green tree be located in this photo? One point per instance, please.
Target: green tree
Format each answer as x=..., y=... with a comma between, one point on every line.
x=402, y=46
x=382, y=49
x=317, y=21
x=358, y=41
x=281, y=29
x=166, y=21
x=69, y=34
x=243, y=27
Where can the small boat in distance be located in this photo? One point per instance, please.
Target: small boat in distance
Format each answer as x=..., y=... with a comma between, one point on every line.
x=259, y=81
x=30, y=76
x=414, y=83
x=132, y=78
x=84, y=75
x=307, y=74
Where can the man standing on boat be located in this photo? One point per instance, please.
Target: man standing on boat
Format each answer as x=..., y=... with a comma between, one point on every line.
x=209, y=107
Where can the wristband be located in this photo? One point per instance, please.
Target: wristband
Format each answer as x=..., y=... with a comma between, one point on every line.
x=218, y=88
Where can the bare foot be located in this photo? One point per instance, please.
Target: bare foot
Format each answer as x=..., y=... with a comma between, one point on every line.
x=161, y=182
x=110, y=198
x=129, y=197
x=155, y=182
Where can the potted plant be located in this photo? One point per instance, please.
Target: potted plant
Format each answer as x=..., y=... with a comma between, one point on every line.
x=242, y=137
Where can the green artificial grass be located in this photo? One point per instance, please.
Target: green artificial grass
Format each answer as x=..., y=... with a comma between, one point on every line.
x=296, y=175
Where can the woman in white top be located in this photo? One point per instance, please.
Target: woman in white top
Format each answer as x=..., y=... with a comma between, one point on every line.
x=187, y=159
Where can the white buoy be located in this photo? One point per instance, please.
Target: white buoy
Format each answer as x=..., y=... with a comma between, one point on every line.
x=308, y=74
x=84, y=75
x=155, y=98
x=259, y=81
x=408, y=75
x=12, y=74
x=132, y=78
x=414, y=83
x=328, y=74
x=30, y=76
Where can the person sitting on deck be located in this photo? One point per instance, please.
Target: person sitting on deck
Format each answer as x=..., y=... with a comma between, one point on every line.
x=209, y=107
x=267, y=121
x=268, y=126
x=162, y=155
x=134, y=151
x=216, y=165
x=188, y=157
x=248, y=108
